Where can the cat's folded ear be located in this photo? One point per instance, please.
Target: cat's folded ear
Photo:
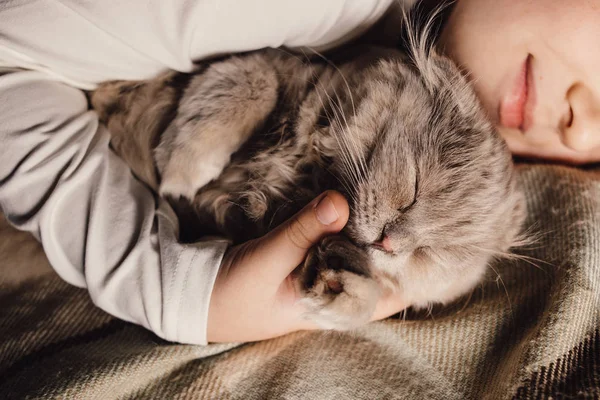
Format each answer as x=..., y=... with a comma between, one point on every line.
x=442, y=78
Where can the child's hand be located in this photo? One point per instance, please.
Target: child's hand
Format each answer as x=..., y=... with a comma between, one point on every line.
x=254, y=297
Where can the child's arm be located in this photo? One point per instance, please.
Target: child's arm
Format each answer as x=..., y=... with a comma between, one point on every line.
x=99, y=226
x=104, y=230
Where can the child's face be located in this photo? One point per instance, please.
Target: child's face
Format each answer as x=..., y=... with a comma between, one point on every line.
x=536, y=67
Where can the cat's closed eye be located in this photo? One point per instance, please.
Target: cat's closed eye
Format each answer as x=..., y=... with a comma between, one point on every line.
x=404, y=209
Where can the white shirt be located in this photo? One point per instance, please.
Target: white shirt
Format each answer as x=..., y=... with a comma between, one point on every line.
x=100, y=227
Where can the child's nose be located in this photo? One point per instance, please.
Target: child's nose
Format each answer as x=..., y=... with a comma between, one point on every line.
x=583, y=132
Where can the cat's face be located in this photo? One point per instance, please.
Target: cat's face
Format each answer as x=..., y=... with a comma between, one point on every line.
x=431, y=185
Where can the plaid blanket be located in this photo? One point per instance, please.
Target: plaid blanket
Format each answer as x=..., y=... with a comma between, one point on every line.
x=530, y=331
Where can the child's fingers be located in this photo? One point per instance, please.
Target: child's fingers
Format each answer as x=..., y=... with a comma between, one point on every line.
x=285, y=248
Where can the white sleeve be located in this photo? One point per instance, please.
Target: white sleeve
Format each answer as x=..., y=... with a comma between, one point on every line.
x=100, y=227
x=86, y=42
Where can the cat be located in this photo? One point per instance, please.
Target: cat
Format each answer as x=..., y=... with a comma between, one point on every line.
x=247, y=140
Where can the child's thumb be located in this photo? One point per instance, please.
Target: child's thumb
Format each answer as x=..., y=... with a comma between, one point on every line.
x=286, y=246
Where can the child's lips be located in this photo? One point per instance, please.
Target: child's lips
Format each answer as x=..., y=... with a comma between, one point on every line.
x=516, y=108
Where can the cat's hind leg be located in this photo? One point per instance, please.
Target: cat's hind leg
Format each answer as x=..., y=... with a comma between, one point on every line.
x=219, y=111
x=136, y=114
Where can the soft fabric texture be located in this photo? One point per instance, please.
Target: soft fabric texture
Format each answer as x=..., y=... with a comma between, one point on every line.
x=86, y=42
x=530, y=332
x=59, y=179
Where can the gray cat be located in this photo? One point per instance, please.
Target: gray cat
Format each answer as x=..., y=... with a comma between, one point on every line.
x=247, y=140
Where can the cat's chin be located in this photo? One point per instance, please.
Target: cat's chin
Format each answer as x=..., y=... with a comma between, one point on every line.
x=391, y=264
x=423, y=282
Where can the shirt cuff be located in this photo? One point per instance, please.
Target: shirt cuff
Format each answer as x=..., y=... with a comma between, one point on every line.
x=188, y=284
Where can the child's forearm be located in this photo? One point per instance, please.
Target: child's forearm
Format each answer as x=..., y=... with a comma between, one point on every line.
x=100, y=227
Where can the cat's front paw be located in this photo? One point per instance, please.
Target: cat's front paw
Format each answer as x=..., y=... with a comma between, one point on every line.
x=338, y=290
x=186, y=169
x=183, y=177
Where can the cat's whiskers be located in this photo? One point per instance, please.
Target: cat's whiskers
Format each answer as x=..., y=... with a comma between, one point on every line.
x=467, y=301
x=341, y=74
x=358, y=154
x=348, y=178
x=513, y=256
x=352, y=170
x=357, y=158
x=343, y=143
x=430, y=311
x=529, y=260
x=351, y=156
x=361, y=165
x=499, y=279
x=346, y=181
x=348, y=163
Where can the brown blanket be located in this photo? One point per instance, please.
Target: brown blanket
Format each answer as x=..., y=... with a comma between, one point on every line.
x=530, y=331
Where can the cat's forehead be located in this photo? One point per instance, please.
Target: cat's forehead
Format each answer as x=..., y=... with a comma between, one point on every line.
x=449, y=157
x=426, y=119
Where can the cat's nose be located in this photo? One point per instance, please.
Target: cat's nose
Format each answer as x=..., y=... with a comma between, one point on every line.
x=384, y=244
